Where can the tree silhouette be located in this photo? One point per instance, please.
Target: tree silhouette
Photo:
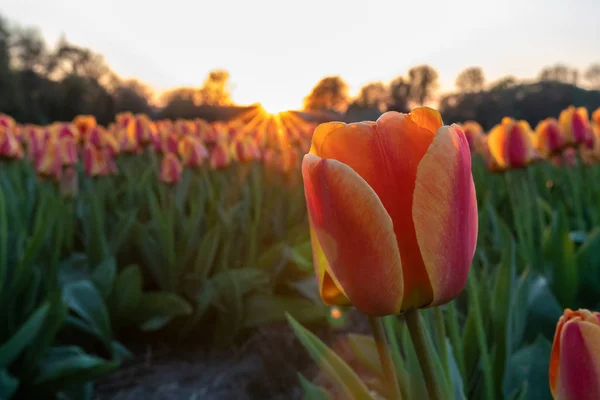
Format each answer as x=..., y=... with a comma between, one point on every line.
x=592, y=75
x=372, y=95
x=215, y=90
x=132, y=95
x=559, y=73
x=330, y=93
x=399, y=94
x=470, y=80
x=423, y=81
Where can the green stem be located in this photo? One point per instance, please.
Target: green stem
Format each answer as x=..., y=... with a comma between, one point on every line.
x=388, y=323
x=385, y=357
x=440, y=331
x=417, y=334
x=486, y=365
x=457, y=343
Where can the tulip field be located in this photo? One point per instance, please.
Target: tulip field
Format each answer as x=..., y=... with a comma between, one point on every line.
x=474, y=256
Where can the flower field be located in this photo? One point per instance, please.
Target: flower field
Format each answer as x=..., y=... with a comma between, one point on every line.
x=192, y=229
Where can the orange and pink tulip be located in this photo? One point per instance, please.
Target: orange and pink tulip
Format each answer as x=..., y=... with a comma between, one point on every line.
x=392, y=211
x=575, y=124
x=192, y=151
x=549, y=138
x=473, y=132
x=510, y=143
x=170, y=169
x=220, y=156
x=575, y=359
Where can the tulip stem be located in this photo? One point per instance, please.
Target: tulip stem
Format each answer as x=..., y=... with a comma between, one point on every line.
x=417, y=334
x=389, y=372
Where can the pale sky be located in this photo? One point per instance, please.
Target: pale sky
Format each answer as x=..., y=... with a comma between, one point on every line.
x=277, y=50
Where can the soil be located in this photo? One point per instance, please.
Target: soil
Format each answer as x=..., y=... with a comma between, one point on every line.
x=263, y=366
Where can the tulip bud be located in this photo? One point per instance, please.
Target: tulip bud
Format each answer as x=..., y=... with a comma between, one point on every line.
x=92, y=160
x=548, y=137
x=49, y=162
x=192, y=151
x=392, y=211
x=473, y=132
x=9, y=145
x=510, y=143
x=575, y=124
x=170, y=169
x=220, y=156
x=84, y=123
x=575, y=359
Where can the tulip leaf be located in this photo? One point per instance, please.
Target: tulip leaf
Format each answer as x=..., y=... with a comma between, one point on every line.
x=8, y=384
x=127, y=292
x=22, y=338
x=312, y=391
x=347, y=381
x=103, y=276
x=529, y=366
x=365, y=351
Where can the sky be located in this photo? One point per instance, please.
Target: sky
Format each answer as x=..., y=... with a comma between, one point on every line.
x=276, y=50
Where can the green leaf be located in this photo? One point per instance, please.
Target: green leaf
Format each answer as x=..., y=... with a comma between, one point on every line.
x=155, y=308
x=121, y=231
x=342, y=375
x=8, y=385
x=84, y=299
x=24, y=336
x=262, y=308
x=543, y=309
x=365, y=351
x=588, y=264
x=68, y=366
x=529, y=365
x=312, y=391
x=127, y=293
x=104, y=276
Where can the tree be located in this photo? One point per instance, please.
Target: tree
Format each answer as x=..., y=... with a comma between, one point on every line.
x=372, y=95
x=215, y=90
x=132, y=95
x=592, y=75
x=559, y=73
x=503, y=83
x=423, y=81
x=330, y=93
x=399, y=95
x=470, y=80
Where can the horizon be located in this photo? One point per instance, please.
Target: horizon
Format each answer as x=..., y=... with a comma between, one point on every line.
x=276, y=61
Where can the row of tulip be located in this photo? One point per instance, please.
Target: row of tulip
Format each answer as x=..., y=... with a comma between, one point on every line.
x=424, y=211
x=144, y=226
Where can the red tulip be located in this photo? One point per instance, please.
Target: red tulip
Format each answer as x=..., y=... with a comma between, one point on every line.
x=170, y=169
x=392, y=211
x=575, y=359
x=549, y=138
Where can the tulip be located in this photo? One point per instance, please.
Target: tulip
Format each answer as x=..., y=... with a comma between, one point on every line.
x=548, y=137
x=473, y=132
x=245, y=150
x=192, y=151
x=84, y=123
x=9, y=145
x=170, y=143
x=220, y=156
x=6, y=122
x=143, y=128
x=575, y=124
x=392, y=211
x=123, y=119
x=93, y=163
x=49, y=162
x=575, y=358
x=68, y=151
x=510, y=143
x=170, y=169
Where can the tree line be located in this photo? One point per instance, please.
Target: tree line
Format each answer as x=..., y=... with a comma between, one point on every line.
x=40, y=84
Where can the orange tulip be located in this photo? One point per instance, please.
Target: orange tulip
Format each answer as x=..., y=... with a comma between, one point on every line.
x=49, y=162
x=170, y=169
x=473, y=132
x=575, y=359
x=93, y=163
x=220, y=156
x=392, y=211
x=575, y=125
x=123, y=119
x=510, y=143
x=84, y=123
x=548, y=137
x=192, y=151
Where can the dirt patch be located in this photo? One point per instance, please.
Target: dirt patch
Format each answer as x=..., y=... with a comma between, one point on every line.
x=263, y=366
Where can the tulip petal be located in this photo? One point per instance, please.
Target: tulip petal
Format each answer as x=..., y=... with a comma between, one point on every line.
x=579, y=374
x=445, y=213
x=427, y=118
x=330, y=290
x=356, y=234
